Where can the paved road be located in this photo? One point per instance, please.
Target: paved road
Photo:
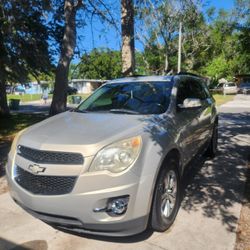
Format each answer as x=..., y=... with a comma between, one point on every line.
x=209, y=212
x=36, y=107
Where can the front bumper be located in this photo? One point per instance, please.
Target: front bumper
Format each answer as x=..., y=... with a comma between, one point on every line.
x=74, y=211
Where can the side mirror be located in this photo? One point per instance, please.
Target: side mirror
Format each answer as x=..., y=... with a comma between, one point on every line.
x=190, y=103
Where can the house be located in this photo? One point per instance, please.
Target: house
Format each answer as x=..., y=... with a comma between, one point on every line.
x=86, y=86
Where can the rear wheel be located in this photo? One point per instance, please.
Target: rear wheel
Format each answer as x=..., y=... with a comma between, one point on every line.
x=166, y=199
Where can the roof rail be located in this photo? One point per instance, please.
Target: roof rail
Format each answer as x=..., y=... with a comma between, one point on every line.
x=136, y=75
x=188, y=73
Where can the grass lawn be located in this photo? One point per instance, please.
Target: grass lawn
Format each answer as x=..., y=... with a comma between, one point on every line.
x=10, y=126
x=221, y=99
x=26, y=97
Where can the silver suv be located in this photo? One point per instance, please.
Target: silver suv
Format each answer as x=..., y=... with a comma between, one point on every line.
x=113, y=165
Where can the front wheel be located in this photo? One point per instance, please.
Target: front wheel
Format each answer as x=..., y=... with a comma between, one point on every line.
x=166, y=199
x=212, y=148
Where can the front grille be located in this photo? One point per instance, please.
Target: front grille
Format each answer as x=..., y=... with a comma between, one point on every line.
x=50, y=157
x=44, y=184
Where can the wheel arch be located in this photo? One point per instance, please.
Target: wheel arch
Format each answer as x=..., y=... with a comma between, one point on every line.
x=174, y=152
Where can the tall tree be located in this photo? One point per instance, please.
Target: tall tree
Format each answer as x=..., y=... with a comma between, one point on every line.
x=100, y=64
x=128, y=43
x=23, y=43
x=67, y=51
x=158, y=27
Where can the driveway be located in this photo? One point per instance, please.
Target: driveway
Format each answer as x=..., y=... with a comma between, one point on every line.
x=208, y=215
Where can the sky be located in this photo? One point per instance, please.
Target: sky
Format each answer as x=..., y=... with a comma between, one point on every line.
x=101, y=36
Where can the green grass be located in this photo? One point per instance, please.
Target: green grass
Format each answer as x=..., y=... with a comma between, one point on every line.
x=26, y=97
x=9, y=126
x=221, y=99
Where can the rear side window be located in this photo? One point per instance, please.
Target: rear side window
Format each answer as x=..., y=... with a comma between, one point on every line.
x=191, y=88
x=197, y=90
x=183, y=92
x=205, y=87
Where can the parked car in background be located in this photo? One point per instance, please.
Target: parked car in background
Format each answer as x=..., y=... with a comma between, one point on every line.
x=114, y=165
x=244, y=88
x=226, y=88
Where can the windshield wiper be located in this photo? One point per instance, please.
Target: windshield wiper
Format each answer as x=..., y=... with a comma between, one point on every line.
x=124, y=111
x=79, y=111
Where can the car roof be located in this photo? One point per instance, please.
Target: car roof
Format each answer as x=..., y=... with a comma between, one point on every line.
x=142, y=79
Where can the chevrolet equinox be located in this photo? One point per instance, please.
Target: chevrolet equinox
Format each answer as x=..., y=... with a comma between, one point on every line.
x=113, y=165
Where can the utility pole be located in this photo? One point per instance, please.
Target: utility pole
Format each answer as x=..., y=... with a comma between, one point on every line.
x=179, y=49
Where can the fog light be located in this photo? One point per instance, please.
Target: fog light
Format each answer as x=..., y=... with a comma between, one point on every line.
x=115, y=206
x=118, y=206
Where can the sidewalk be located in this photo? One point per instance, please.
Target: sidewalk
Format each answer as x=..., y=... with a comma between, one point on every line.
x=36, y=107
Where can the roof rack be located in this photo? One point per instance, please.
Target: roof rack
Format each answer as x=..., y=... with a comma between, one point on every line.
x=188, y=73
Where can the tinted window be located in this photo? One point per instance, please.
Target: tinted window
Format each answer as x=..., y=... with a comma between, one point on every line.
x=140, y=97
x=205, y=88
x=197, y=90
x=183, y=92
x=190, y=88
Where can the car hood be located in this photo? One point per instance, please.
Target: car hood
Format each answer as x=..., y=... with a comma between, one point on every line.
x=81, y=132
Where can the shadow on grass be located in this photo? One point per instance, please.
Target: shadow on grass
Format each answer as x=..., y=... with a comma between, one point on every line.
x=16, y=122
x=9, y=126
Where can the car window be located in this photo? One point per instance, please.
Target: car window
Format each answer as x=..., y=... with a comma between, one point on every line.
x=205, y=88
x=191, y=88
x=183, y=91
x=197, y=90
x=220, y=85
x=231, y=84
x=140, y=97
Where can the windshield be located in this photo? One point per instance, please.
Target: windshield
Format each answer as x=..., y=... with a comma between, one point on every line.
x=131, y=98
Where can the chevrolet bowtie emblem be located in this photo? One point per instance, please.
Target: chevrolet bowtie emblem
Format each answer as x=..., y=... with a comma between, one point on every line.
x=36, y=169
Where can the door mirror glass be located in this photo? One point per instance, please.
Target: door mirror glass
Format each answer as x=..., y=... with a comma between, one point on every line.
x=190, y=103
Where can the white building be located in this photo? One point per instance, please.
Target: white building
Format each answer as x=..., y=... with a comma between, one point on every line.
x=86, y=86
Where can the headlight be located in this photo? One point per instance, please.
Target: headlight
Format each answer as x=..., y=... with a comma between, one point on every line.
x=15, y=141
x=118, y=156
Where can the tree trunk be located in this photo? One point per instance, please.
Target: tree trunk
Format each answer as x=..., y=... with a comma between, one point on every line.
x=59, y=100
x=128, y=43
x=4, y=108
x=166, y=63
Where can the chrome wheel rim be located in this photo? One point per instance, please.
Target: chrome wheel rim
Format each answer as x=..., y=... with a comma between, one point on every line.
x=168, y=194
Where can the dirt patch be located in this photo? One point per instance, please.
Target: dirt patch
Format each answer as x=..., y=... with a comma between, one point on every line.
x=243, y=231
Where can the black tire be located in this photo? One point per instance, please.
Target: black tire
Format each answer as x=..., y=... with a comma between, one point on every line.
x=213, y=144
x=160, y=222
